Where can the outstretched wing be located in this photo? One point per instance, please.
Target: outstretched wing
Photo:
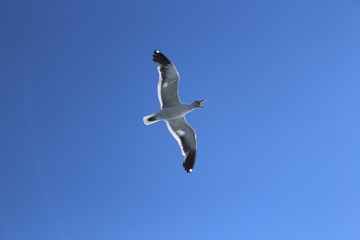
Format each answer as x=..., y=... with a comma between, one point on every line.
x=186, y=137
x=168, y=81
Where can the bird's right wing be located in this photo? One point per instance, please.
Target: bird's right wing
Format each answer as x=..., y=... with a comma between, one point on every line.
x=186, y=137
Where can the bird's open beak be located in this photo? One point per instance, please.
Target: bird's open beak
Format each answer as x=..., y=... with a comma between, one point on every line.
x=201, y=101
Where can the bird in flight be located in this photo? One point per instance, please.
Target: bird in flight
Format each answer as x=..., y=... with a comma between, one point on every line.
x=173, y=111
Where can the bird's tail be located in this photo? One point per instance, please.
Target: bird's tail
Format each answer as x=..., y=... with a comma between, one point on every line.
x=150, y=119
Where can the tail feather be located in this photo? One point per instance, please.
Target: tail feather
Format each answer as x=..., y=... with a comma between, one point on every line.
x=150, y=119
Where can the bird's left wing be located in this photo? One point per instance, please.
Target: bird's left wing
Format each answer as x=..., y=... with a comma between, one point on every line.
x=186, y=137
x=168, y=80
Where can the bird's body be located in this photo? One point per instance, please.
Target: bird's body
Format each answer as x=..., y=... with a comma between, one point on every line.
x=173, y=111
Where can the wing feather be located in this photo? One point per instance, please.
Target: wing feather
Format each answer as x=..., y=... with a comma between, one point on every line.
x=186, y=137
x=168, y=80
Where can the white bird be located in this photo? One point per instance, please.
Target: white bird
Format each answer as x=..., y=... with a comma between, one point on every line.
x=173, y=111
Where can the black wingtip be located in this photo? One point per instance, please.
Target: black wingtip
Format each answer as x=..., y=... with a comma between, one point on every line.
x=160, y=58
x=189, y=161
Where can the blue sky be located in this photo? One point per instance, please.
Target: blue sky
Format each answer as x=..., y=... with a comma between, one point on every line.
x=278, y=141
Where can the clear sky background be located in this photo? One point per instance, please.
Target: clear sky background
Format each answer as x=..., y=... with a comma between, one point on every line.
x=278, y=142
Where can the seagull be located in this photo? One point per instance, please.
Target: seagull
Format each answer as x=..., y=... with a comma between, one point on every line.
x=173, y=111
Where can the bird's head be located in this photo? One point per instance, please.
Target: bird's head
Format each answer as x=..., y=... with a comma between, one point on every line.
x=197, y=103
